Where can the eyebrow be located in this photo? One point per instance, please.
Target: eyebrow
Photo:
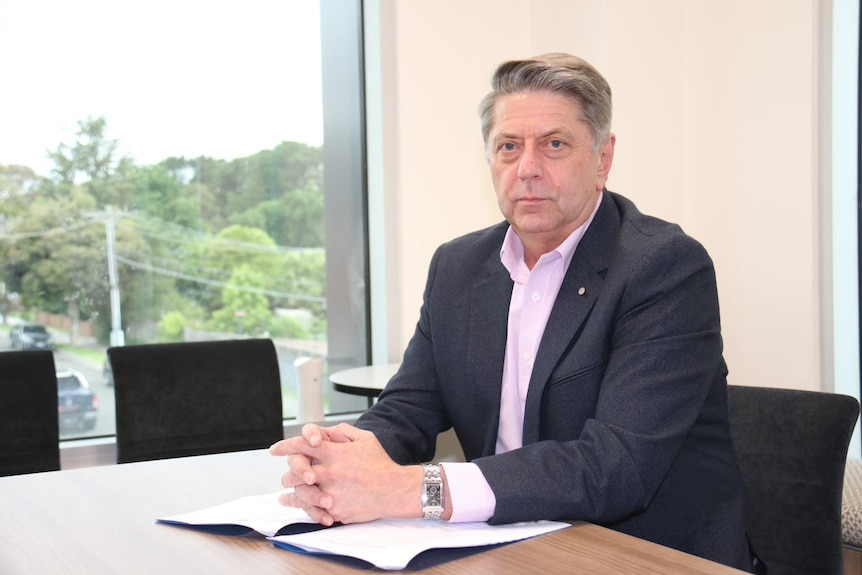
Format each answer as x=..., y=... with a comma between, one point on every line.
x=543, y=136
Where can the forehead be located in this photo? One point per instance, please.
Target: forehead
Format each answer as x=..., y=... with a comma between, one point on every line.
x=536, y=111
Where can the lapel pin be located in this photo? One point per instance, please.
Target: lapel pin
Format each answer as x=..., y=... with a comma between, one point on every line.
x=582, y=291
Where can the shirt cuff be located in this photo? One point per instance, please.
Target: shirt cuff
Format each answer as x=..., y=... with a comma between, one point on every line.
x=469, y=492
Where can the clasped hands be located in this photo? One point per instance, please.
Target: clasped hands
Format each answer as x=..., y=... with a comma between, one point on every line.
x=342, y=474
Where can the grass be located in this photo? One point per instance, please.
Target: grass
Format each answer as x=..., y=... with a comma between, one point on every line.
x=84, y=352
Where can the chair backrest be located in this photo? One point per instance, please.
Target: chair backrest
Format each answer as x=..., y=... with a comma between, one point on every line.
x=196, y=398
x=791, y=446
x=29, y=430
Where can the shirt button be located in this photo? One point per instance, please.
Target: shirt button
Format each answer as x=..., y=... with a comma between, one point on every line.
x=528, y=356
x=535, y=296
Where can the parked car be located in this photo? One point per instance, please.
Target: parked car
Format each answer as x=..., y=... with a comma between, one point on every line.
x=77, y=404
x=30, y=336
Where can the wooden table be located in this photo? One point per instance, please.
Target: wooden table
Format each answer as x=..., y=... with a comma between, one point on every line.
x=368, y=380
x=100, y=520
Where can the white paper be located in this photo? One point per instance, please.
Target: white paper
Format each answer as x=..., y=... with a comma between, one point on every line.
x=262, y=513
x=391, y=544
x=388, y=544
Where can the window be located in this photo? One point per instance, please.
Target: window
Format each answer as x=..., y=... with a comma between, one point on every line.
x=164, y=177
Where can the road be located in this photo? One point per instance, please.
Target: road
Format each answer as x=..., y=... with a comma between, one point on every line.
x=92, y=371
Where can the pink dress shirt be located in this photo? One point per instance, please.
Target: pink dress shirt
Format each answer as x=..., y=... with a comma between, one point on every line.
x=533, y=296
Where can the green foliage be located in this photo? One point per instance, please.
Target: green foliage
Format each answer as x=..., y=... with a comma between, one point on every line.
x=245, y=309
x=289, y=327
x=293, y=220
x=197, y=240
x=304, y=274
x=278, y=191
x=55, y=270
x=156, y=193
x=172, y=326
x=16, y=183
x=238, y=245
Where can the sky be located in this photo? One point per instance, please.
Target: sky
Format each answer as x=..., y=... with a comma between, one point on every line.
x=220, y=78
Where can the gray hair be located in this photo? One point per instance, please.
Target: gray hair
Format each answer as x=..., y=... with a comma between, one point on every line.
x=557, y=73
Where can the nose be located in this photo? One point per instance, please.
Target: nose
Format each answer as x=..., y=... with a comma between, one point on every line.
x=530, y=164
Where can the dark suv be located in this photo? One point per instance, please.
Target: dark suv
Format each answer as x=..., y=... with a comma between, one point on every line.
x=77, y=404
x=30, y=336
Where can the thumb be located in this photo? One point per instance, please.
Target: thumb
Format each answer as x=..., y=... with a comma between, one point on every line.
x=344, y=433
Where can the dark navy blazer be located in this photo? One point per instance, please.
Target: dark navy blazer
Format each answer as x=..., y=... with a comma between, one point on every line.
x=626, y=419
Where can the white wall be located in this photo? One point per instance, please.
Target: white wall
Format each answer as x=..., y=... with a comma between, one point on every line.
x=720, y=113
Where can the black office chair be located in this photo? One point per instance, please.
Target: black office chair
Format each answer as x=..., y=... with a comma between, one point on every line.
x=180, y=399
x=29, y=430
x=791, y=446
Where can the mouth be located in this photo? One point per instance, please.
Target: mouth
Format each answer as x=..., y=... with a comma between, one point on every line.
x=531, y=200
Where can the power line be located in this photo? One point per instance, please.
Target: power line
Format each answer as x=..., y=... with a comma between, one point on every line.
x=149, y=226
x=249, y=289
x=48, y=232
x=158, y=229
x=166, y=231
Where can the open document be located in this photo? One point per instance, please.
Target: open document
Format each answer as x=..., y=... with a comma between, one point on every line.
x=392, y=543
x=387, y=544
x=260, y=513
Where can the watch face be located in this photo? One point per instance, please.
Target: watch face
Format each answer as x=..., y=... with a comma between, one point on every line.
x=432, y=495
x=432, y=492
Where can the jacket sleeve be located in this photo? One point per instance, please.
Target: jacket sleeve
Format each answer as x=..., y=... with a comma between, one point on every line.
x=409, y=413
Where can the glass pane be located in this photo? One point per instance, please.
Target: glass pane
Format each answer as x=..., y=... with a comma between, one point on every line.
x=162, y=179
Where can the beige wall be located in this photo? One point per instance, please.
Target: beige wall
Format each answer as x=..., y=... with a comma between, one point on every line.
x=717, y=123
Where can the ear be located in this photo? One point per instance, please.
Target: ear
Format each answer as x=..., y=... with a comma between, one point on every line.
x=606, y=158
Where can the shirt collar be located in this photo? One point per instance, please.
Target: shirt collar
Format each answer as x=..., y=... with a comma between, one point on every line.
x=512, y=250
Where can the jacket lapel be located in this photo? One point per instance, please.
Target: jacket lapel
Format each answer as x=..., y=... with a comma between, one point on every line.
x=489, y=317
x=578, y=294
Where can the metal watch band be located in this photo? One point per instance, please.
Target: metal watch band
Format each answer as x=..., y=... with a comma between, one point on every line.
x=432, y=492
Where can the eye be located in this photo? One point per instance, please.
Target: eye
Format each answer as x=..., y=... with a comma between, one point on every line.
x=556, y=144
x=507, y=147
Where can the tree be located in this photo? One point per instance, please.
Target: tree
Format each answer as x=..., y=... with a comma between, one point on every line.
x=157, y=193
x=91, y=161
x=171, y=265
x=61, y=256
x=16, y=185
x=244, y=311
x=276, y=190
x=305, y=274
x=239, y=245
x=294, y=220
x=233, y=247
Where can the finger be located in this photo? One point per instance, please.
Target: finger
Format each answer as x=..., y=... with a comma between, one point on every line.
x=289, y=498
x=310, y=499
x=313, y=434
x=320, y=516
x=290, y=480
x=343, y=433
x=301, y=467
x=277, y=448
x=289, y=446
x=312, y=496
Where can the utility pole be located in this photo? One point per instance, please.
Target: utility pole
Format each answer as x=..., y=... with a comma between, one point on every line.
x=117, y=336
x=110, y=219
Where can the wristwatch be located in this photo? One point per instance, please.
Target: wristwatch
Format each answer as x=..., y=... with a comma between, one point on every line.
x=432, y=492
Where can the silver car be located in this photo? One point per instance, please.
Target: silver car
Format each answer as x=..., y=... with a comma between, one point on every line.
x=30, y=336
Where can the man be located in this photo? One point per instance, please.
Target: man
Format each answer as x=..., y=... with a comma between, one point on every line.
x=575, y=349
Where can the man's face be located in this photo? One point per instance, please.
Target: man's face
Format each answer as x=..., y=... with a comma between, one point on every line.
x=545, y=173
